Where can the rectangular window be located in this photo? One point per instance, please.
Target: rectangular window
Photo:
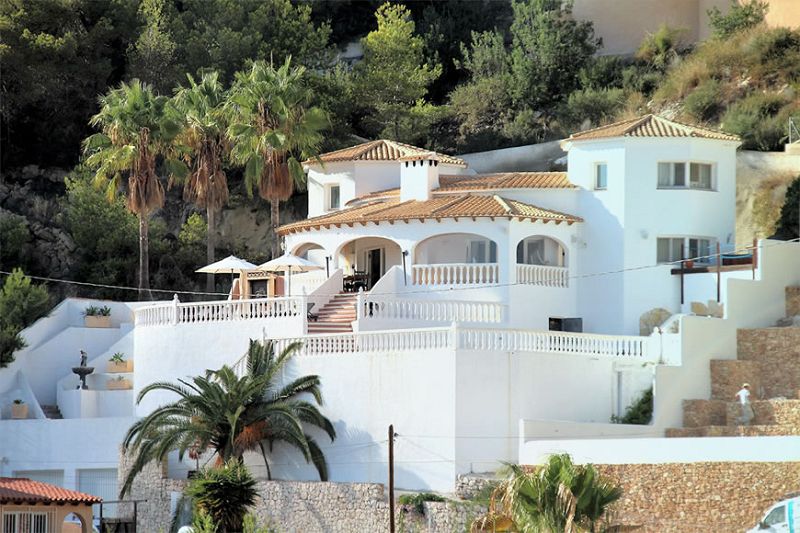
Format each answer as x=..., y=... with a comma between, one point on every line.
x=333, y=197
x=481, y=251
x=601, y=176
x=25, y=522
x=700, y=175
x=674, y=175
x=671, y=249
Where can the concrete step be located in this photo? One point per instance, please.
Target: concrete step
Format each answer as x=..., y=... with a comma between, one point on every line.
x=728, y=375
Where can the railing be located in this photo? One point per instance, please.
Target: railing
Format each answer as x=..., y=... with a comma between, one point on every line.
x=644, y=349
x=456, y=274
x=219, y=311
x=548, y=276
x=377, y=307
x=559, y=342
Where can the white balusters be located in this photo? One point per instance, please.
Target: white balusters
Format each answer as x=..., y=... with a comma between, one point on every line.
x=386, y=308
x=548, y=276
x=456, y=274
x=173, y=313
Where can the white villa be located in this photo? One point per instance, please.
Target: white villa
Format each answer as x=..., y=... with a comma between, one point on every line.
x=478, y=313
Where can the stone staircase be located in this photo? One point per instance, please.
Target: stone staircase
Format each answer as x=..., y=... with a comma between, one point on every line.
x=52, y=411
x=336, y=316
x=769, y=360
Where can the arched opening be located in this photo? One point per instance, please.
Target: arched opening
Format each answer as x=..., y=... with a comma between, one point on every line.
x=541, y=250
x=456, y=259
x=542, y=260
x=455, y=248
x=311, y=251
x=73, y=523
x=365, y=260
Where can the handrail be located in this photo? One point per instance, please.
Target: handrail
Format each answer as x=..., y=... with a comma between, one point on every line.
x=645, y=349
x=389, y=308
x=559, y=342
x=548, y=276
x=456, y=274
x=219, y=311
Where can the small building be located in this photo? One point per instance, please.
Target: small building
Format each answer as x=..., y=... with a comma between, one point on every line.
x=28, y=506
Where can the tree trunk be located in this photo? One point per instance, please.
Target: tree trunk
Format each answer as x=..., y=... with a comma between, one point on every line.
x=211, y=241
x=275, y=220
x=144, y=258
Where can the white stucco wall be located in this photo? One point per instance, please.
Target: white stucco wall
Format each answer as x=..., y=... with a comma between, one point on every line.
x=319, y=178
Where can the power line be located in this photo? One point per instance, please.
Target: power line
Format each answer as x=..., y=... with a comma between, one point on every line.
x=472, y=287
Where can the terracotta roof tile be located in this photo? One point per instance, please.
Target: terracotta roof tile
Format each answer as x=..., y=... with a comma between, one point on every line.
x=384, y=150
x=506, y=180
x=651, y=126
x=482, y=182
x=23, y=490
x=444, y=206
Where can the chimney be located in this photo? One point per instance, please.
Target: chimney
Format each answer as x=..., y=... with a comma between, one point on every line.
x=419, y=175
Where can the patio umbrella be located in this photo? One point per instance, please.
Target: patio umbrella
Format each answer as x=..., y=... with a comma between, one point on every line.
x=288, y=263
x=230, y=265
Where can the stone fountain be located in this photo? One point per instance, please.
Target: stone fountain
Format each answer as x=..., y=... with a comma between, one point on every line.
x=82, y=371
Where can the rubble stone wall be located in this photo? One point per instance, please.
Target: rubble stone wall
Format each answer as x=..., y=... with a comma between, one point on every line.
x=720, y=497
x=777, y=350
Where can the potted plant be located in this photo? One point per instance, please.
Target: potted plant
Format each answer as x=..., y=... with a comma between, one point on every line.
x=117, y=363
x=97, y=317
x=19, y=410
x=119, y=383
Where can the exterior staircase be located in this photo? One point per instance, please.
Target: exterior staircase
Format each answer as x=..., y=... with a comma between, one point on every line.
x=52, y=411
x=769, y=360
x=336, y=316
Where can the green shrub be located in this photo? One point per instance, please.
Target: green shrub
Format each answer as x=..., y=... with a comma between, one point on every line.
x=705, y=102
x=775, y=52
x=418, y=500
x=15, y=241
x=739, y=17
x=661, y=48
x=639, y=412
x=603, y=72
x=787, y=227
x=595, y=105
x=642, y=79
x=21, y=304
x=760, y=120
x=223, y=493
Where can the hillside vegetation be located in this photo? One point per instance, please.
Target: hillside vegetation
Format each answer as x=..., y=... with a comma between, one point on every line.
x=746, y=84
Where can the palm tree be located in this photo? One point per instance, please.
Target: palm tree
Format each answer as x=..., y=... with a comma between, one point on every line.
x=557, y=497
x=231, y=415
x=202, y=145
x=134, y=132
x=272, y=125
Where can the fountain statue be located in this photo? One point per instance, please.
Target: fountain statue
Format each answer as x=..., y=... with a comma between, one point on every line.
x=82, y=371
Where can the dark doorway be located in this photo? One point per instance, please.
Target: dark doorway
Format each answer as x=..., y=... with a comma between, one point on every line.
x=374, y=265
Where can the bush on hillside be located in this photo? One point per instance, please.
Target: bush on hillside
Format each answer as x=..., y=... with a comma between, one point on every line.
x=661, y=48
x=776, y=54
x=760, y=120
x=789, y=221
x=705, y=102
x=21, y=304
x=593, y=105
x=641, y=79
x=603, y=72
x=740, y=16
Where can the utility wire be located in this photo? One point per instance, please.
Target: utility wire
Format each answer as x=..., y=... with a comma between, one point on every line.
x=473, y=287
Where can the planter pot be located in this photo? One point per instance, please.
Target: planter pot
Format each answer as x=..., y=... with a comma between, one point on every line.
x=119, y=384
x=97, y=321
x=689, y=264
x=19, y=411
x=117, y=368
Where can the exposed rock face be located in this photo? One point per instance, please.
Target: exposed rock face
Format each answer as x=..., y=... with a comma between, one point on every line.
x=652, y=319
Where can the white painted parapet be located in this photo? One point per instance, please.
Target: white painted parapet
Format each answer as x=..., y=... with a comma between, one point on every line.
x=220, y=311
x=456, y=274
x=448, y=311
x=549, y=276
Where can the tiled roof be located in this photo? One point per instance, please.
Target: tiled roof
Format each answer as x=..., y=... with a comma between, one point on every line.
x=444, y=206
x=23, y=490
x=651, y=126
x=506, y=180
x=483, y=182
x=383, y=150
